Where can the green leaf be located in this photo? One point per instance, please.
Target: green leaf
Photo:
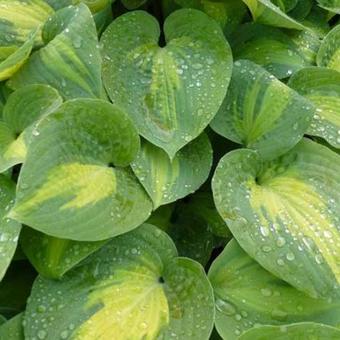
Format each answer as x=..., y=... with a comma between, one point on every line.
x=284, y=213
x=78, y=189
x=302, y=9
x=52, y=257
x=12, y=329
x=18, y=18
x=265, y=12
x=200, y=207
x=329, y=52
x=262, y=113
x=135, y=287
x=14, y=61
x=133, y=4
x=330, y=5
x=9, y=230
x=167, y=181
x=271, y=48
x=70, y=61
x=285, y=5
x=303, y=330
x=15, y=288
x=171, y=92
x=247, y=295
x=228, y=14
x=193, y=239
x=322, y=87
x=23, y=107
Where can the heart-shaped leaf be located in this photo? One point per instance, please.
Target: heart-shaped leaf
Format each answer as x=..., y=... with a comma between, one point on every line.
x=322, y=87
x=329, y=52
x=52, y=257
x=262, y=113
x=271, y=48
x=67, y=188
x=240, y=283
x=171, y=92
x=12, y=329
x=303, y=330
x=70, y=61
x=23, y=107
x=9, y=230
x=284, y=213
x=135, y=287
x=330, y=5
x=266, y=12
x=168, y=180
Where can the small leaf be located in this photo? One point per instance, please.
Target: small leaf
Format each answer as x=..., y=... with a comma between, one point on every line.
x=135, y=287
x=9, y=230
x=78, y=189
x=12, y=329
x=70, y=61
x=240, y=283
x=262, y=113
x=329, y=52
x=52, y=257
x=167, y=181
x=23, y=107
x=303, y=330
x=288, y=206
x=171, y=92
x=322, y=87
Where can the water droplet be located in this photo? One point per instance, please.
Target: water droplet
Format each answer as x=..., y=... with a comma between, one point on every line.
x=266, y=292
x=290, y=256
x=42, y=334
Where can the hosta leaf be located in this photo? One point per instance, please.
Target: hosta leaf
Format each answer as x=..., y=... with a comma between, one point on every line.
x=23, y=107
x=193, y=239
x=303, y=330
x=12, y=329
x=329, y=52
x=167, y=181
x=302, y=9
x=171, y=92
x=284, y=213
x=133, y=288
x=330, y=5
x=240, y=283
x=15, y=288
x=77, y=188
x=133, y=4
x=70, y=61
x=317, y=21
x=262, y=113
x=9, y=230
x=97, y=5
x=53, y=257
x=322, y=87
x=265, y=12
x=227, y=13
x=201, y=207
x=14, y=61
x=18, y=18
x=285, y=5
x=270, y=48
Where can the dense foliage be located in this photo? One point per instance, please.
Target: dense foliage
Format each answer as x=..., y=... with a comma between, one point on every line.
x=169, y=169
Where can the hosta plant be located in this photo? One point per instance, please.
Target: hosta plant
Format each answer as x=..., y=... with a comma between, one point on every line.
x=169, y=169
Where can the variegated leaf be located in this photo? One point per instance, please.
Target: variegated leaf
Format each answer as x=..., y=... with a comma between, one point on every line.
x=171, y=92
x=135, y=287
x=73, y=183
x=284, y=213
